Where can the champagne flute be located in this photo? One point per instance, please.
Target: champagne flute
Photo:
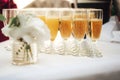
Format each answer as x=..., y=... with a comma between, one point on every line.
x=95, y=26
x=8, y=14
x=40, y=12
x=79, y=27
x=65, y=27
x=52, y=21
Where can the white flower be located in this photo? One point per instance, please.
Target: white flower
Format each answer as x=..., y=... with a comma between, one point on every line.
x=31, y=29
x=6, y=30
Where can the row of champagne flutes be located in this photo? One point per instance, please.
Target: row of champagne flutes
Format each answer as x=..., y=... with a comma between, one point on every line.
x=75, y=24
x=73, y=31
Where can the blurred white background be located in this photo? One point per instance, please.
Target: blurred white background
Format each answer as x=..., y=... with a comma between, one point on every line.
x=43, y=3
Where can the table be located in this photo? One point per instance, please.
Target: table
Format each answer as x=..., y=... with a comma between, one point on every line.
x=67, y=67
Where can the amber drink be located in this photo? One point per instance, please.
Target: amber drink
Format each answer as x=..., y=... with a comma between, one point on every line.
x=79, y=28
x=65, y=28
x=42, y=17
x=53, y=24
x=96, y=26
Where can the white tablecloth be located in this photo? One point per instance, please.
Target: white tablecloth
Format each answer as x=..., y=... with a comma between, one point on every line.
x=54, y=67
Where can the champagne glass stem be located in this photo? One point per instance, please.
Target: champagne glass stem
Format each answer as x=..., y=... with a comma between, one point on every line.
x=49, y=47
x=81, y=47
x=78, y=50
x=65, y=46
x=52, y=47
x=96, y=51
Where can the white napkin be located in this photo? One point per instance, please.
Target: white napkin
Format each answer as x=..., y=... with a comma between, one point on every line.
x=116, y=35
x=110, y=31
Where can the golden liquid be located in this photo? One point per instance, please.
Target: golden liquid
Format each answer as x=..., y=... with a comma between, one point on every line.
x=79, y=28
x=96, y=26
x=53, y=24
x=42, y=18
x=65, y=28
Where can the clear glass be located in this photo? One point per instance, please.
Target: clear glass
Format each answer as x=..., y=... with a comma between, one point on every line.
x=24, y=53
x=80, y=23
x=52, y=21
x=41, y=13
x=65, y=27
x=8, y=14
x=95, y=17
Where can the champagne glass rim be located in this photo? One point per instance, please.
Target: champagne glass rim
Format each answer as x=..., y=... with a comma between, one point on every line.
x=94, y=9
x=80, y=9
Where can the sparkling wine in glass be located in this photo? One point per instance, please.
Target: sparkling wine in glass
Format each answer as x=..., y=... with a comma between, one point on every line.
x=95, y=27
x=52, y=21
x=79, y=27
x=65, y=27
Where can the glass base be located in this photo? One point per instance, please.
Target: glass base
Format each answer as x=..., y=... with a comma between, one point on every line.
x=17, y=62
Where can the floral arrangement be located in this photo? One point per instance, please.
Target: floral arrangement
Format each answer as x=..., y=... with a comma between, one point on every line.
x=27, y=29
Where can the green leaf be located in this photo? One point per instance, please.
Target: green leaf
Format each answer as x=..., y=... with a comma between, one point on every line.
x=27, y=47
x=14, y=22
x=2, y=18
